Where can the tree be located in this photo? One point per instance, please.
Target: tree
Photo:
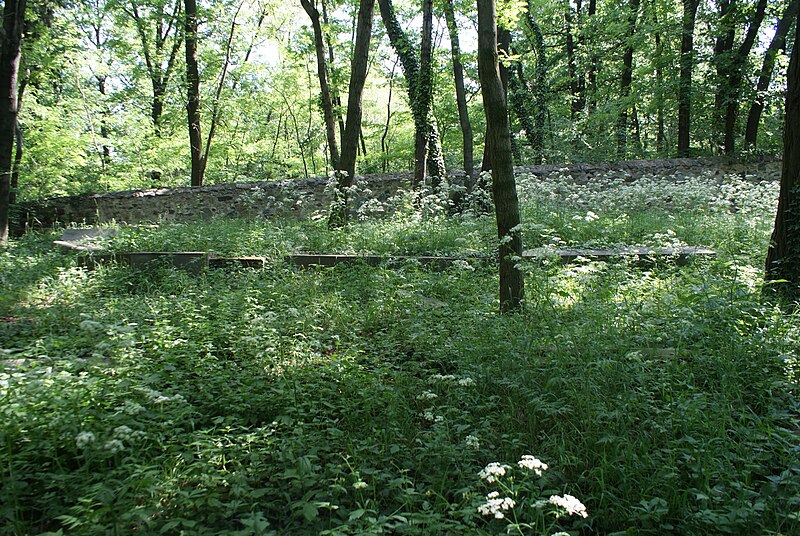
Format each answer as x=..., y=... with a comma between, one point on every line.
x=157, y=27
x=193, y=94
x=686, y=67
x=10, y=46
x=325, y=90
x=419, y=79
x=730, y=64
x=777, y=44
x=626, y=79
x=461, y=94
x=358, y=75
x=504, y=190
x=783, y=255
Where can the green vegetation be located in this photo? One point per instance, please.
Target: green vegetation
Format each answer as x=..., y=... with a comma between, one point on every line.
x=359, y=400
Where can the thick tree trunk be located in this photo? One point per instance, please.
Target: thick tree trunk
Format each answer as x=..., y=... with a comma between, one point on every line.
x=461, y=94
x=322, y=74
x=503, y=185
x=358, y=76
x=626, y=80
x=685, y=81
x=783, y=256
x=504, y=50
x=10, y=45
x=193, y=94
x=777, y=44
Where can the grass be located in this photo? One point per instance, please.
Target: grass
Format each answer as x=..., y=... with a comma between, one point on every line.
x=357, y=400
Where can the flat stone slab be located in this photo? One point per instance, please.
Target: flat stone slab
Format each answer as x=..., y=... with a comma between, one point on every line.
x=89, y=239
x=678, y=255
x=191, y=261
x=304, y=260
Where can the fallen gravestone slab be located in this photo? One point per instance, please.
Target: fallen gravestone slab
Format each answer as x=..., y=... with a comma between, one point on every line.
x=90, y=239
x=678, y=255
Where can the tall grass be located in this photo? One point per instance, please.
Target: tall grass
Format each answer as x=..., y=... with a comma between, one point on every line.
x=359, y=400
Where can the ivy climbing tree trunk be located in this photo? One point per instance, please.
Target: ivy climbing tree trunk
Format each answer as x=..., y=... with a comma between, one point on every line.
x=778, y=43
x=783, y=256
x=504, y=190
x=345, y=175
x=193, y=94
x=419, y=78
x=685, y=78
x=10, y=45
x=504, y=50
x=324, y=86
x=461, y=94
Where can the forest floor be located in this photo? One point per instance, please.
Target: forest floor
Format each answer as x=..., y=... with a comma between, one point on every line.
x=394, y=399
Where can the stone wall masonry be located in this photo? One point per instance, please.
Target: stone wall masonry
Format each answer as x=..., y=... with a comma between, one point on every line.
x=303, y=198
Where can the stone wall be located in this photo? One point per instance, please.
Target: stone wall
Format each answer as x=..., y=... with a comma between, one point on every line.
x=303, y=198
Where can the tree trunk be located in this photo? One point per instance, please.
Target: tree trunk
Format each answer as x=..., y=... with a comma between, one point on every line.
x=193, y=94
x=575, y=80
x=777, y=44
x=159, y=58
x=322, y=73
x=461, y=94
x=730, y=65
x=503, y=186
x=783, y=256
x=419, y=78
x=358, y=76
x=626, y=80
x=10, y=44
x=685, y=81
x=504, y=49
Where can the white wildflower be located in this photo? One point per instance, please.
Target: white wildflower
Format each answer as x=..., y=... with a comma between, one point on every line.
x=466, y=382
x=569, y=503
x=533, y=464
x=442, y=378
x=114, y=445
x=496, y=505
x=428, y=415
x=427, y=395
x=492, y=472
x=123, y=432
x=359, y=484
x=472, y=442
x=132, y=408
x=83, y=439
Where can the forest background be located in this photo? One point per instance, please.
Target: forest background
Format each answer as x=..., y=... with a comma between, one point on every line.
x=104, y=86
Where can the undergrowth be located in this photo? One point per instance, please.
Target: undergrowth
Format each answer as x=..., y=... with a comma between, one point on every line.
x=358, y=400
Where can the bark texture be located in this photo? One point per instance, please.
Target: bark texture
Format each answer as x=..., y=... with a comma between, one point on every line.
x=193, y=94
x=685, y=81
x=504, y=188
x=783, y=256
x=10, y=45
x=345, y=175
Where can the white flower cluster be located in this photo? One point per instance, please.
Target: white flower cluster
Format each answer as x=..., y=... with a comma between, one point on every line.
x=428, y=415
x=466, y=381
x=114, y=446
x=492, y=472
x=569, y=503
x=472, y=442
x=159, y=398
x=496, y=505
x=125, y=433
x=532, y=463
x=84, y=439
x=427, y=395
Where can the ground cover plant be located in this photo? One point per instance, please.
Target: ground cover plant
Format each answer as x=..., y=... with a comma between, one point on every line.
x=628, y=398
